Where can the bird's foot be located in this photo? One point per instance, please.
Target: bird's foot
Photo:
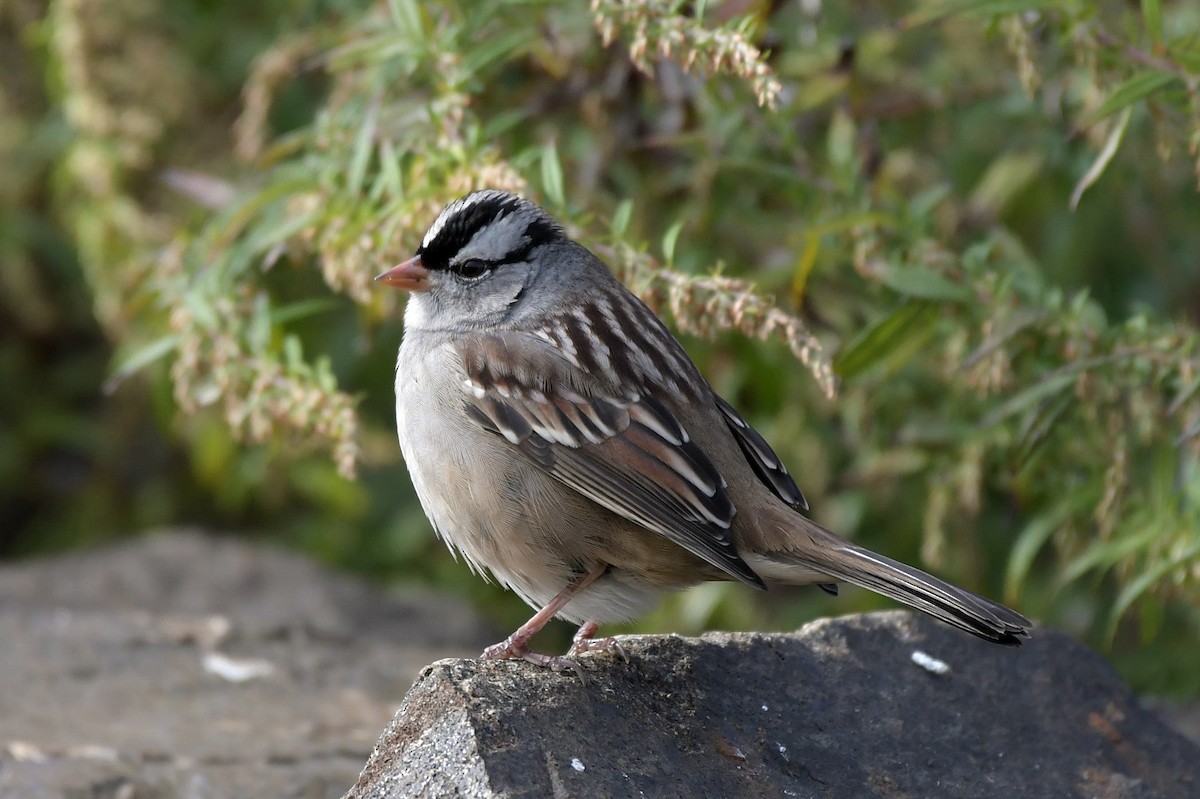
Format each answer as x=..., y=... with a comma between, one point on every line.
x=514, y=649
x=609, y=645
x=584, y=642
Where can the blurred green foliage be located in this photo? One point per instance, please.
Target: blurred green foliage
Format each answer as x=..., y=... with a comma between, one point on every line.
x=946, y=255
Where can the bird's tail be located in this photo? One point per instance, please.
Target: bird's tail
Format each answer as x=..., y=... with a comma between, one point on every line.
x=824, y=553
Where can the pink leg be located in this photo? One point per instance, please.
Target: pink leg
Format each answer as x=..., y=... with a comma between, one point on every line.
x=585, y=642
x=517, y=644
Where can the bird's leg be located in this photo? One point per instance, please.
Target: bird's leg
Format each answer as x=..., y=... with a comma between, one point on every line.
x=584, y=642
x=517, y=644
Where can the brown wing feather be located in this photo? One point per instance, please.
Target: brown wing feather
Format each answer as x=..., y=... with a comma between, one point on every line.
x=762, y=458
x=624, y=450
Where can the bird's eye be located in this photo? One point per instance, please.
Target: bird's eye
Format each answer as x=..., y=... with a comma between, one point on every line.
x=472, y=268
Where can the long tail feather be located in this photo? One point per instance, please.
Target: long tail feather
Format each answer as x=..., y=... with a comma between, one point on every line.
x=953, y=605
x=832, y=555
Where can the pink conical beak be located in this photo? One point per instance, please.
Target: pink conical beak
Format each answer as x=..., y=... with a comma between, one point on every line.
x=410, y=275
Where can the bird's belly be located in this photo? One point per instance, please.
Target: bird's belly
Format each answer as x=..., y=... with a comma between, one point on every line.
x=507, y=517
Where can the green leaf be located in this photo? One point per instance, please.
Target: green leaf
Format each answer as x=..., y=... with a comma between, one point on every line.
x=501, y=123
x=1019, y=321
x=1144, y=581
x=1031, y=396
x=232, y=223
x=840, y=144
x=1039, y=424
x=200, y=306
x=258, y=329
x=924, y=283
x=924, y=202
x=1005, y=178
x=360, y=160
x=301, y=309
x=1033, y=537
x=669, y=240
x=1152, y=14
x=1107, y=553
x=391, y=179
x=293, y=354
x=937, y=11
x=1185, y=51
x=1184, y=395
x=1054, y=382
x=1111, y=144
x=552, y=176
x=495, y=48
x=406, y=14
x=1139, y=87
x=890, y=340
x=620, y=220
x=139, y=359
x=267, y=236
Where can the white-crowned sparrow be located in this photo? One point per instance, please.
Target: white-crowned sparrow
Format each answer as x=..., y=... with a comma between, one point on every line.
x=559, y=437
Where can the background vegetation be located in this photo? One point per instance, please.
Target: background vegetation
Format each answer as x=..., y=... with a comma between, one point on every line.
x=945, y=255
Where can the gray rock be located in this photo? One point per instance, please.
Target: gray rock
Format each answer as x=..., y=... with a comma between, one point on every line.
x=843, y=708
x=179, y=665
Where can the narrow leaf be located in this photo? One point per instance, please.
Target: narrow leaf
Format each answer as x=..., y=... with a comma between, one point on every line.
x=293, y=354
x=1184, y=395
x=1106, y=554
x=1111, y=144
x=1034, y=536
x=301, y=309
x=804, y=267
x=496, y=48
x=1031, y=396
x=1152, y=14
x=1005, y=178
x=139, y=359
x=1139, y=87
x=258, y=329
x=936, y=12
x=620, y=220
x=1051, y=384
x=669, y=240
x=406, y=14
x=1144, y=581
x=279, y=231
x=891, y=338
x=1038, y=426
x=363, y=148
x=552, y=177
x=924, y=283
x=1011, y=327
x=391, y=179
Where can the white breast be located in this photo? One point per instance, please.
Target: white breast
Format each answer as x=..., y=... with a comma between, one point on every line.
x=488, y=502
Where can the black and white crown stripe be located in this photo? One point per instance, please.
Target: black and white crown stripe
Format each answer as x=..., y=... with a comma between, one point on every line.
x=457, y=207
x=462, y=220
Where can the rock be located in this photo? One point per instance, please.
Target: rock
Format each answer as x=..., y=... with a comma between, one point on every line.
x=883, y=705
x=178, y=665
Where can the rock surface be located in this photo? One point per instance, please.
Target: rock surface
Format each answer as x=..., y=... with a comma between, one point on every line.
x=843, y=708
x=183, y=666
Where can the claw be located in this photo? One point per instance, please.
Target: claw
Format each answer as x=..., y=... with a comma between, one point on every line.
x=610, y=646
x=509, y=649
x=517, y=645
x=584, y=642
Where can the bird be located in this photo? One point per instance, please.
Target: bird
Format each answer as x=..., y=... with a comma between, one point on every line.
x=560, y=439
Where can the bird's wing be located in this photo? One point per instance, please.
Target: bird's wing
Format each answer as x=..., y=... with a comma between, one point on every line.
x=621, y=448
x=762, y=458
